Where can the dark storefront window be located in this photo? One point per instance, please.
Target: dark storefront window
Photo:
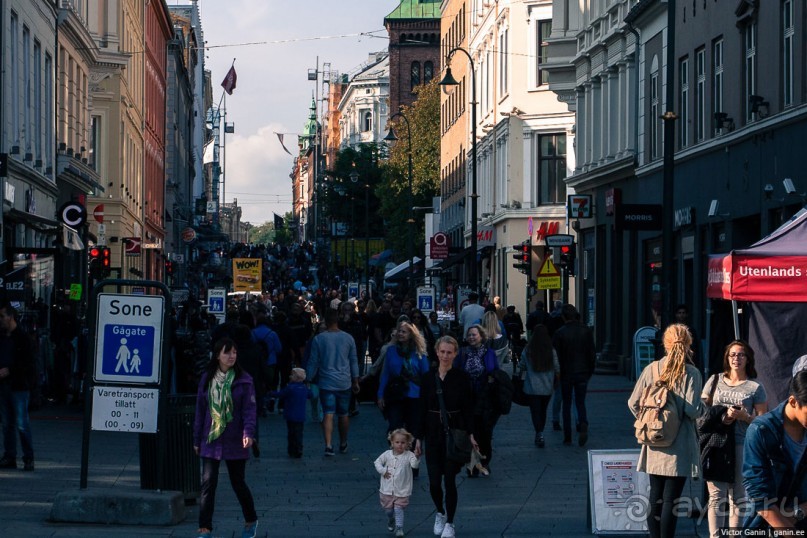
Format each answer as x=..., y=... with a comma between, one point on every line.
x=552, y=169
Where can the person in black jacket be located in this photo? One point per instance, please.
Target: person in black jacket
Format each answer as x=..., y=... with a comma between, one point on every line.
x=17, y=379
x=574, y=343
x=458, y=395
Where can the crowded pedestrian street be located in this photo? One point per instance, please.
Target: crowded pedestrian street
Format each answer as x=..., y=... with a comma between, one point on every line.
x=531, y=492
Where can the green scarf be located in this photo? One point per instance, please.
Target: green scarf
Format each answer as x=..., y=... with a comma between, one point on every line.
x=220, y=397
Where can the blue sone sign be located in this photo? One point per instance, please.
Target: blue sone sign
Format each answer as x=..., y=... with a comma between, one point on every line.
x=128, y=338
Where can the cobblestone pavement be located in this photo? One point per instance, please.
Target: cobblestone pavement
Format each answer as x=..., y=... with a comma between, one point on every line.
x=530, y=492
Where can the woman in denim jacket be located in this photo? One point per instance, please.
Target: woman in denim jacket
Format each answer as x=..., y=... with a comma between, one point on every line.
x=775, y=460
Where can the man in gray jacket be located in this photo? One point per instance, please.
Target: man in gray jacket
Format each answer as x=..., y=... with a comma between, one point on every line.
x=574, y=343
x=333, y=366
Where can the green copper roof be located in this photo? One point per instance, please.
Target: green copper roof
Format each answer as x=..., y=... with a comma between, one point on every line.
x=415, y=9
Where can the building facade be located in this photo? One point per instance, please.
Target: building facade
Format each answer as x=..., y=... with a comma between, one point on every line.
x=363, y=109
x=414, y=49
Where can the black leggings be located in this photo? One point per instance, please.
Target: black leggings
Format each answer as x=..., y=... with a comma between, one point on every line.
x=442, y=473
x=664, y=492
x=236, y=469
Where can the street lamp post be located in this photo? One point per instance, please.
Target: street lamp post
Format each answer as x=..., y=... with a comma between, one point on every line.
x=391, y=137
x=354, y=177
x=449, y=80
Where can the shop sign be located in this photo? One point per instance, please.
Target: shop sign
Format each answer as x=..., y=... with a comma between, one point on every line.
x=439, y=244
x=579, y=206
x=188, y=235
x=547, y=228
x=485, y=237
x=613, y=197
x=638, y=217
x=683, y=217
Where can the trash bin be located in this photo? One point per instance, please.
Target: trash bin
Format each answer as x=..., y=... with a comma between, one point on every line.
x=181, y=465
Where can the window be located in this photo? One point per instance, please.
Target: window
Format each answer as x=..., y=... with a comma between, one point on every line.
x=428, y=72
x=750, y=43
x=503, y=64
x=38, y=100
x=683, y=105
x=787, y=52
x=415, y=75
x=26, y=88
x=654, y=115
x=367, y=121
x=542, y=51
x=717, y=76
x=49, y=136
x=15, y=78
x=700, y=94
x=95, y=143
x=552, y=169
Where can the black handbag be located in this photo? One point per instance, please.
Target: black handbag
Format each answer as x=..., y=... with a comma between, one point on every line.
x=458, y=442
x=519, y=396
x=397, y=388
x=716, y=441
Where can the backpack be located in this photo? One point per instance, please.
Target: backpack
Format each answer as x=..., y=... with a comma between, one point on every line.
x=502, y=391
x=658, y=421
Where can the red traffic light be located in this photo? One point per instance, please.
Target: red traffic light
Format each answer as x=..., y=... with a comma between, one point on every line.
x=106, y=262
x=95, y=252
x=565, y=249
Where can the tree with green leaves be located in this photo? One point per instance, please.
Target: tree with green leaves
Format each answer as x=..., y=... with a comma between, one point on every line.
x=393, y=191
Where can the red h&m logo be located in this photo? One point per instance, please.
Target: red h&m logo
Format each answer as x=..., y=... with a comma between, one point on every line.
x=547, y=228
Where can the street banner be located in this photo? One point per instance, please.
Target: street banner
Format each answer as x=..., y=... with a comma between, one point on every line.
x=247, y=273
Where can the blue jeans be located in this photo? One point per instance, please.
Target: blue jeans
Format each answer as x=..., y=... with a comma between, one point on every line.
x=14, y=414
x=574, y=384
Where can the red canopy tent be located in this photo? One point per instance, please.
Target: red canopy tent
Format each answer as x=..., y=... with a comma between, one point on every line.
x=771, y=277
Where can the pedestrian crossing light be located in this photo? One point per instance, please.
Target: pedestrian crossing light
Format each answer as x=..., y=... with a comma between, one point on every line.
x=567, y=257
x=94, y=263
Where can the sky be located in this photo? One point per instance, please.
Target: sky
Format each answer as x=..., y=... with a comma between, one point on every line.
x=273, y=93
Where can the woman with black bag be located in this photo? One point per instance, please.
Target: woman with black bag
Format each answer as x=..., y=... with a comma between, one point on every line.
x=479, y=361
x=734, y=399
x=540, y=360
x=445, y=391
x=405, y=364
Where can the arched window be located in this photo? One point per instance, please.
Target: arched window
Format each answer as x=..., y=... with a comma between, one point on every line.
x=403, y=38
x=367, y=121
x=415, y=75
x=428, y=72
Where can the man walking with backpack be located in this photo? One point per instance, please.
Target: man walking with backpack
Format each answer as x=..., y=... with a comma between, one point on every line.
x=574, y=344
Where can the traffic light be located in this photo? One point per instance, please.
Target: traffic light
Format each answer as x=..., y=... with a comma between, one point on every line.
x=567, y=257
x=106, y=261
x=169, y=267
x=523, y=257
x=94, y=262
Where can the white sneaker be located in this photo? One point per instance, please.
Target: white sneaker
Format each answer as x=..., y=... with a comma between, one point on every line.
x=439, y=524
x=448, y=531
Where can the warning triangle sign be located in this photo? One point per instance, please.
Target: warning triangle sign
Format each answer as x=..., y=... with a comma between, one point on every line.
x=548, y=269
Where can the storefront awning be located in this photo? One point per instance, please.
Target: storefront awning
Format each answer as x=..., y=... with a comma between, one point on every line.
x=43, y=224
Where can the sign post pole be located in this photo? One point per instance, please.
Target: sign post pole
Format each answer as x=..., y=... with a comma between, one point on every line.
x=130, y=366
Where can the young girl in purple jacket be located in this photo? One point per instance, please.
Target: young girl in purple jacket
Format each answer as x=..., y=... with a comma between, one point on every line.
x=224, y=429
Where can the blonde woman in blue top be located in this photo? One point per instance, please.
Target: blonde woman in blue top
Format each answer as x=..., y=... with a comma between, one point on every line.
x=404, y=364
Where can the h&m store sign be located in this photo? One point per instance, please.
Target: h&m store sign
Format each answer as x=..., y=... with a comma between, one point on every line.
x=551, y=227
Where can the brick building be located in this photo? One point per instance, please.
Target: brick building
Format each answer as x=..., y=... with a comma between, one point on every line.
x=414, y=48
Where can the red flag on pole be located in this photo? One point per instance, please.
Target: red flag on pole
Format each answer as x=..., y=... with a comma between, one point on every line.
x=229, y=81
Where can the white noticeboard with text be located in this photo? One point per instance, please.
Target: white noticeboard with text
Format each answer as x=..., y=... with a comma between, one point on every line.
x=125, y=409
x=618, y=493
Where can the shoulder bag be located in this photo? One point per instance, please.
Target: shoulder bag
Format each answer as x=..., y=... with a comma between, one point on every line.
x=519, y=396
x=716, y=441
x=458, y=442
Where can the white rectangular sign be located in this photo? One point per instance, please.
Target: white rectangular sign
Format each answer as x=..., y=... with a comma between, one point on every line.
x=128, y=338
x=125, y=409
x=425, y=299
x=617, y=492
x=216, y=299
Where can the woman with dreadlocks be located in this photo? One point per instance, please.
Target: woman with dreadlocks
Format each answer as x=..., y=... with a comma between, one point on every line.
x=670, y=466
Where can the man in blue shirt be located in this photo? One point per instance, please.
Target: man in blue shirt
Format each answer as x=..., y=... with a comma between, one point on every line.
x=333, y=366
x=775, y=462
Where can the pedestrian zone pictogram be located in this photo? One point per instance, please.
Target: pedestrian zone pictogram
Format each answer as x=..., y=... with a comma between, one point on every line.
x=128, y=351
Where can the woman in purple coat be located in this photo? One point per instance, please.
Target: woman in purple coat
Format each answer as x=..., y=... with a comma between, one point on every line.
x=224, y=429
